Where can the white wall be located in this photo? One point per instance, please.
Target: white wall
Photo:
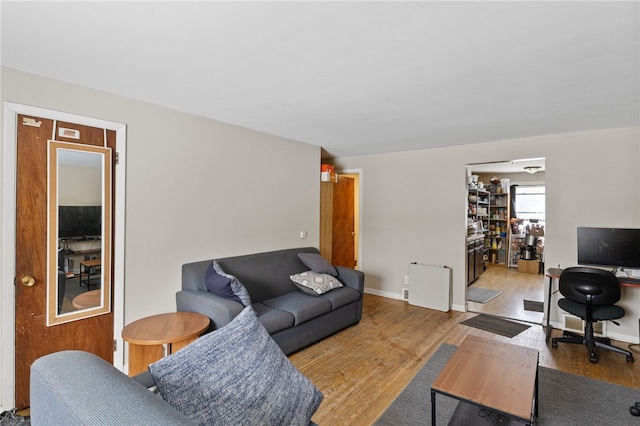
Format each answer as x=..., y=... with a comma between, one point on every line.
x=196, y=189
x=414, y=205
x=79, y=186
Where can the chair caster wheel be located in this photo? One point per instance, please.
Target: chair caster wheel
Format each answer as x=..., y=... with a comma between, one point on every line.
x=630, y=358
x=593, y=358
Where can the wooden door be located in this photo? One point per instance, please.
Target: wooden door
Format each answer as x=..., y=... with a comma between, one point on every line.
x=343, y=223
x=33, y=338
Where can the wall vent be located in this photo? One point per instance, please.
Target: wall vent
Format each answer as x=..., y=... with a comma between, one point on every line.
x=576, y=325
x=405, y=293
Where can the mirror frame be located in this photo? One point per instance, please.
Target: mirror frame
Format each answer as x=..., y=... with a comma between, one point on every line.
x=53, y=317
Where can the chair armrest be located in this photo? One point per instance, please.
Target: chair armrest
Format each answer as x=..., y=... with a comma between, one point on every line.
x=351, y=278
x=220, y=310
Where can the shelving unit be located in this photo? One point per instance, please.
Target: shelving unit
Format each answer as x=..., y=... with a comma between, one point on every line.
x=497, y=240
x=478, y=209
x=515, y=242
x=478, y=214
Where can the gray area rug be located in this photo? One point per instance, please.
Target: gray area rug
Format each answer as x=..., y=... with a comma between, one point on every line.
x=496, y=325
x=413, y=405
x=481, y=295
x=565, y=399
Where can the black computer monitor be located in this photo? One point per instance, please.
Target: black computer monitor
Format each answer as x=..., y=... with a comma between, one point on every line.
x=615, y=247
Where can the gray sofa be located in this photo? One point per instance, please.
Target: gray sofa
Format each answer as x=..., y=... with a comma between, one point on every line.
x=79, y=388
x=293, y=318
x=237, y=375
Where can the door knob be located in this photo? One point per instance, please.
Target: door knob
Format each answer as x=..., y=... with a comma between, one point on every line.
x=28, y=281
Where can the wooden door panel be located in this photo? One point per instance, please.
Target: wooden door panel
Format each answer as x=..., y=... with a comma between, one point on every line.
x=33, y=338
x=343, y=224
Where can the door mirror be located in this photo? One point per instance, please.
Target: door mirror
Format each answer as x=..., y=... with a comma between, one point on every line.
x=79, y=232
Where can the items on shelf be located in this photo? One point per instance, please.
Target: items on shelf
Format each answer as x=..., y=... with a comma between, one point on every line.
x=328, y=174
x=499, y=227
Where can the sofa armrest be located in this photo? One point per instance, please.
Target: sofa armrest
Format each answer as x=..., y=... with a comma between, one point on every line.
x=351, y=278
x=79, y=388
x=220, y=310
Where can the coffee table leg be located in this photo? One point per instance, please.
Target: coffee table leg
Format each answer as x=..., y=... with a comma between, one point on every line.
x=535, y=405
x=433, y=408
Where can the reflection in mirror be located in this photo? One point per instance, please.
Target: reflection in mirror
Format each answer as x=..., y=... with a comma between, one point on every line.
x=79, y=240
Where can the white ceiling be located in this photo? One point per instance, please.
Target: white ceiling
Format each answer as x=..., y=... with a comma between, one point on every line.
x=352, y=77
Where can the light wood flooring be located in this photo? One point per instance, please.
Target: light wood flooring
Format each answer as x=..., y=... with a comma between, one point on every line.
x=362, y=369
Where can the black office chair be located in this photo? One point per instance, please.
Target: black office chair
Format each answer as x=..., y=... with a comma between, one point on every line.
x=590, y=293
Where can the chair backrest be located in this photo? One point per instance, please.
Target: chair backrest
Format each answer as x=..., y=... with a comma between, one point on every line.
x=606, y=281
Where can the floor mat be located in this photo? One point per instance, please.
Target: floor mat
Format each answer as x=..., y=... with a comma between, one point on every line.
x=481, y=295
x=496, y=325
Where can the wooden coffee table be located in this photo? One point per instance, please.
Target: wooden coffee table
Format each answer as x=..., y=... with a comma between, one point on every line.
x=491, y=374
x=147, y=336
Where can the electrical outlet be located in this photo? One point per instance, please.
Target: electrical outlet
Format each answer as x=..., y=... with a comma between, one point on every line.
x=406, y=279
x=405, y=293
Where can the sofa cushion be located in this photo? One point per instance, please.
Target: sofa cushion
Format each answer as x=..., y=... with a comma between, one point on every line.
x=266, y=275
x=303, y=307
x=317, y=263
x=318, y=283
x=341, y=297
x=273, y=320
x=236, y=375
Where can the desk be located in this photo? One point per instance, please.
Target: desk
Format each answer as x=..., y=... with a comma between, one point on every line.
x=87, y=266
x=147, y=336
x=553, y=273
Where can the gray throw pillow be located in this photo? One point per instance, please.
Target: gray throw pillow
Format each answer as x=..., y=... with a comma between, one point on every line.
x=219, y=284
x=317, y=263
x=236, y=375
x=314, y=283
x=236, y=286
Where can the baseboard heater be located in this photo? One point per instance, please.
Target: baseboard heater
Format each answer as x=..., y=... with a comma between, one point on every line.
x=430, y=286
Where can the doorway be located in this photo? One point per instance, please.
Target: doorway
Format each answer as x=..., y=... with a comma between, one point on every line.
x=12, y=369
x=512, y=207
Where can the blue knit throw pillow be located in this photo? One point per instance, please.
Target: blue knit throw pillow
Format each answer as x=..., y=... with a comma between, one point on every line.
x=236, y=375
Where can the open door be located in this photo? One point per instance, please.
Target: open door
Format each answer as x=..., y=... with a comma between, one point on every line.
x=35, y=335
x=338, y=221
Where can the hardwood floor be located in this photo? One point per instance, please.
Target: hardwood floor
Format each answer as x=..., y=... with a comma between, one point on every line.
x=515, y=287
x=362, y=369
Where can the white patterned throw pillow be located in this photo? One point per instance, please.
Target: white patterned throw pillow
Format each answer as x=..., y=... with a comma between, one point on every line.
x=315, y=283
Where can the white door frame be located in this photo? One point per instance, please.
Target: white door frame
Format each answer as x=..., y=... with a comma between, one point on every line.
x=8, y=151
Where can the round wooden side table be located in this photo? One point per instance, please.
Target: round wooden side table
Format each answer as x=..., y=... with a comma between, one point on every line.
x=89, y=299
x=147, y=336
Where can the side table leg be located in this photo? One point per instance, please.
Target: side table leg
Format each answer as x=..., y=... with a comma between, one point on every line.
x=433, y=408
x=140, y=356
x=176, y=346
